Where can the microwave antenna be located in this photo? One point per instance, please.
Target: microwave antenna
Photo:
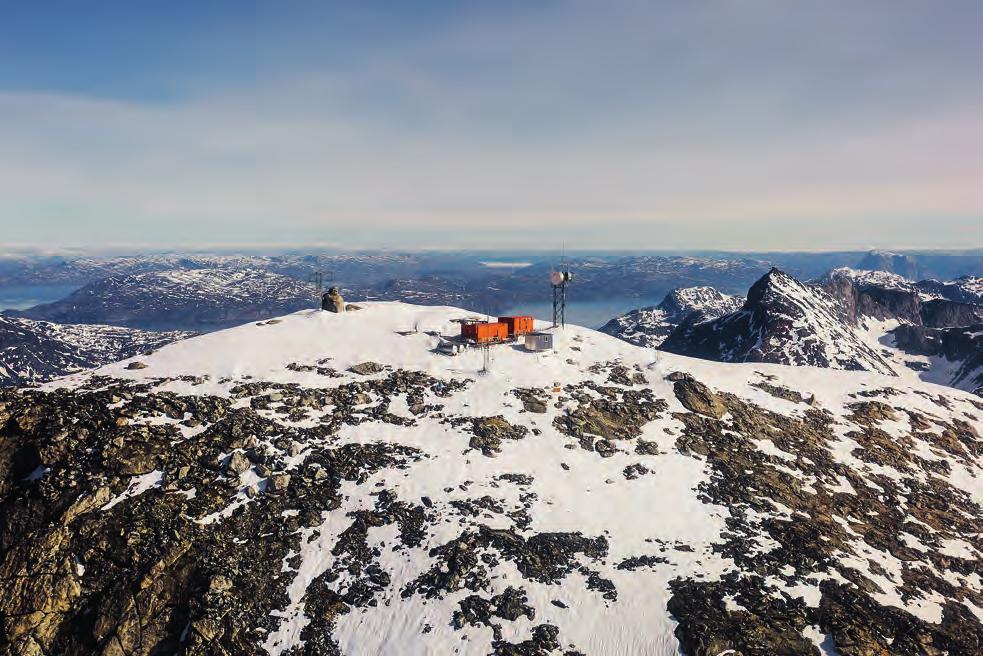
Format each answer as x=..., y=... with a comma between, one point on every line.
x=559, y=279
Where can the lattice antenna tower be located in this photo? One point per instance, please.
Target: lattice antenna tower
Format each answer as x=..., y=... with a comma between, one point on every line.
x=318, y=277
x=559, y=279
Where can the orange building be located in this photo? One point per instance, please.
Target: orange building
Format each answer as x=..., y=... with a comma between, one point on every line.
x=485, y=332
x=519, y=325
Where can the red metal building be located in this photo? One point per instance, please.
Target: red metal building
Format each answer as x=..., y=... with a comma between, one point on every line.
x=485, y=332
x=518, y=325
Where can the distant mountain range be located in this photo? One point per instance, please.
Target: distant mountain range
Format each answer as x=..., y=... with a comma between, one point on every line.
x=223, y=295
x=201, y=293
x=473, y=280
x=37, y=351
x=179, y=299
x=846, y=319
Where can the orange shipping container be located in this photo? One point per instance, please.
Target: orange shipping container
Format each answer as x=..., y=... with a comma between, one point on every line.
x=485, y=332
x=519, y=325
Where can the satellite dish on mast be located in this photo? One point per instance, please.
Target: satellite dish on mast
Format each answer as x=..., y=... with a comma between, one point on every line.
x=559, y=280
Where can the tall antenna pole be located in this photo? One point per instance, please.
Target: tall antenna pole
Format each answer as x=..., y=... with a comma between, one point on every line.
x=563, y=303
x=318, y=277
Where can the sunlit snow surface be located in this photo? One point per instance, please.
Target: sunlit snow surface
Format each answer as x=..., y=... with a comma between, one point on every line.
x=591, y=496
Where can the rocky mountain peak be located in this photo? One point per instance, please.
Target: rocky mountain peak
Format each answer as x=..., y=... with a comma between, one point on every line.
x=649, y=326
x=776, y=286
x=785, y=322
x=683, y=300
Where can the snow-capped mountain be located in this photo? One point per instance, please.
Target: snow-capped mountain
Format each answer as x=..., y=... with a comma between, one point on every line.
x=329, y=484
x=649, y=326
x=179, y=299
x=884, y=296
x=864, y=278
x=785, y=322
x=966, y=289
x=37, y=351
x=913, y=329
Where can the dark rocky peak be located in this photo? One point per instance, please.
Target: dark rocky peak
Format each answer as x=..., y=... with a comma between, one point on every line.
x=943, y=313
x=873, y=294
x=776, y=291
x=773, y=284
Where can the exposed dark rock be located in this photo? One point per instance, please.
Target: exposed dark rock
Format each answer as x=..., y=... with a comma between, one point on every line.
x=533, y=400
x=697, y=397
x=366, y=368
x=488, y=433
x=615, y=413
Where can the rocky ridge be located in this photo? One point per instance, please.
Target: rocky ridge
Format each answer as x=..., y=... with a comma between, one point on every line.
x=649, y=326
x=785, y=322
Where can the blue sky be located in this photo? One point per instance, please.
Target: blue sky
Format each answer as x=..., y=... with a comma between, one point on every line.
x=741, y=124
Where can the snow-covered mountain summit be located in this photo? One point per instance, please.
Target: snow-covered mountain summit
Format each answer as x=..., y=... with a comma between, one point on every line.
x=884, y=279
x=649, y=326
x=330, y=484
x=783, y=321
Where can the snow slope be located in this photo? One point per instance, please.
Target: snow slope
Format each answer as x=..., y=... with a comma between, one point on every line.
x=674, y=513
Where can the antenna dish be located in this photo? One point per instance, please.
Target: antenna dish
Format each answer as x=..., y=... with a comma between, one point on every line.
x=559, y=281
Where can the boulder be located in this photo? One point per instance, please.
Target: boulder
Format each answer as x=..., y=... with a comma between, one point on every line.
x=332, y=301
x=238, y=463
x=697, y=397
x=366, y=368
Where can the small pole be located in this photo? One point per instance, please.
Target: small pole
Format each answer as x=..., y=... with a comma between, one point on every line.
x=563, y=304
x=485, y=359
